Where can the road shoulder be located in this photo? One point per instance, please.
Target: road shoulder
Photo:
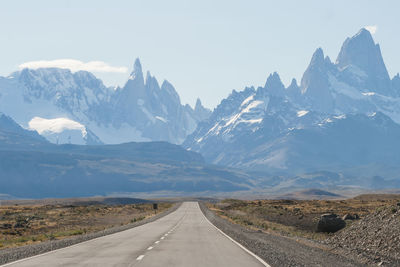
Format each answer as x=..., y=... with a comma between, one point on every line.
x=278, y=250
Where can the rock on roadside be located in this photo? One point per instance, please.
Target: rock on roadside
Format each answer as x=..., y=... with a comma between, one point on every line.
x=330, y=223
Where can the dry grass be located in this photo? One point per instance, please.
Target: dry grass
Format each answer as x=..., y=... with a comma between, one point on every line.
x=297, y=218
x=21, y=225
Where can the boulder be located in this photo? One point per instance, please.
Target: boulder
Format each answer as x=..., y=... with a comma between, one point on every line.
x=330, y=223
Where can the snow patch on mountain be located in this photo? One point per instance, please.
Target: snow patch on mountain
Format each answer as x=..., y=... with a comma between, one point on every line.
x=302, y=113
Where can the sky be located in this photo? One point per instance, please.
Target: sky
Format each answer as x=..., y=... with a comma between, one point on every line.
x=204, y=48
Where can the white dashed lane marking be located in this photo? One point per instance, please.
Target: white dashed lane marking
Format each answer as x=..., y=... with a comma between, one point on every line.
x=158, y=241
x=140, y=257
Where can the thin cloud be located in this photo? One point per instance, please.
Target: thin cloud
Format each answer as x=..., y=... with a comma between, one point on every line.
x=372, y=28
x=74, y=65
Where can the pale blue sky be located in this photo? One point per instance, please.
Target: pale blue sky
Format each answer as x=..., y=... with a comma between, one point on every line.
x=204, y=48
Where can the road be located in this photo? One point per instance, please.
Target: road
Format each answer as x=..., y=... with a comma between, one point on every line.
x=182, y=238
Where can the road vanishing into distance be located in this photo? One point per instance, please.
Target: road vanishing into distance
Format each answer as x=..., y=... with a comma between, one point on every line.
x=182, y=238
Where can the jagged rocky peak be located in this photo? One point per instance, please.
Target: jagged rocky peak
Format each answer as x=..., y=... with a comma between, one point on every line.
x=363, y=56
x=134, y=88
x=315, y=82
x=198, y=105
x=356, y=50
x=137, y=67
x=319, y=61
x=274, y=85
x=137, y=73
x=293, y=84
x=293, y=91
x=151, y=82
x=168, y=88
x=318, y=57
x=201, y=112
x=316, y=69
x=328, y=61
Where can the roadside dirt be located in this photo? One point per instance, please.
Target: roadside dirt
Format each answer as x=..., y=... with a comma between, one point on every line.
x=375, y=238
x=298, y=218
x=29, y=224
x=279, y=250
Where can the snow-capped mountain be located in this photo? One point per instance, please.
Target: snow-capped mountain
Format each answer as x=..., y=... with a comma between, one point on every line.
x=77, y=108
x=277, y=128
x=155, y=111
x=357, y=82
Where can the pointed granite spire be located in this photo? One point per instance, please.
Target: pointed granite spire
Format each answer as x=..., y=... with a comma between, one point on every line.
x=274, y=85
x=360, y=51
x=202, y=113
x=318, y=57
x=137, y=73
x=198, y=104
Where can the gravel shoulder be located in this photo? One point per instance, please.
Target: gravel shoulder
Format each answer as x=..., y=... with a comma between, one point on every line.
x=14, y=254
x=375, y=238
x=279, y=250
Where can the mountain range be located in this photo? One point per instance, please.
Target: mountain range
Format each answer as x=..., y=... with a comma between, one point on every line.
x=342, y=115
x=77, y=108
x=338, y=128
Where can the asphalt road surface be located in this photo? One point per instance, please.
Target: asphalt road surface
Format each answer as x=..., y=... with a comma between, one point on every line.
x=182, y=238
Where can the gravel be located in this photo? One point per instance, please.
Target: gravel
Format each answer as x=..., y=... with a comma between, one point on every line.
x=375, y=238
x=278, y=250
x=14, y=254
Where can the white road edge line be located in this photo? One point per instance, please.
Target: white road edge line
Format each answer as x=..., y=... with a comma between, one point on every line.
x=234, y=241
x=74, y=245
x=58, y=249
x=140, y=258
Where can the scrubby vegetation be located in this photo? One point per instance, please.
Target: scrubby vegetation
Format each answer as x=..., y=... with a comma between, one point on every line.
x=27, y=224
x=299, y=218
